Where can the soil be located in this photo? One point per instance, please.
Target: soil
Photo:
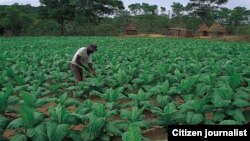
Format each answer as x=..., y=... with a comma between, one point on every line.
x=115, y=117
x=149, y=115
x=155, y=133
x=97, y=99
x=79, y=127
x=153, y=101
x=145, y=35
x=11, y=115
x=178, y=99
x=126, y=101
x=45, y=108
x=8, y=133
x=209, y=116
x=72, y=109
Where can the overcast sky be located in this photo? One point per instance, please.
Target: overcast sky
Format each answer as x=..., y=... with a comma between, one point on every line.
x=164, y=3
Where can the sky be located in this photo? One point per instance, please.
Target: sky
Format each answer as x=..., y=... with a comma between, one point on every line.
x=161, y=3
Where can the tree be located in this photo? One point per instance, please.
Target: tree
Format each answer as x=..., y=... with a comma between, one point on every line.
x=135, y=8
x=16, y=18
x=59, y=10
x=149, y=9
x=240, y=15
x=177, y=9
x=223, y=15
x=94, y=9
x=233, y=18
x=163, y=10
x=203, y=8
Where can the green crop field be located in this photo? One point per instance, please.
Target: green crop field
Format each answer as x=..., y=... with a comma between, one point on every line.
x=142, y=86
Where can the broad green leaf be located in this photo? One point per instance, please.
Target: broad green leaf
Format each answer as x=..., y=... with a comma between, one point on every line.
x=72, y=101
x=241, y=103
x=219, y=116
x=3, y=122
x=194, y=118
x=18, y=137
x=38, y=133
x=99, y=110
x=114, y=127
x=165, y=87
x=163, y=100
x=105, y=137
x=57, y=132
x=43, y=101
x=189, y=105
x=28, y=98
x=93, y=130
x=63, y=98
x=235, y=80
x=14, y=124
x=170, y=108
x=188, y=83
x=222, y=97
x=238, y=116
x=229, y=122
x=133, y=134
x=27, y=114
x=202, y=89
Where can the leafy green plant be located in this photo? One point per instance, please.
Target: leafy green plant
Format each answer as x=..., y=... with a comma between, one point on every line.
x=133, y=134
x=99, y=124
x=169, y=115
x=135, y=115
x=113, y=96
x=6, y=98
x=140, y=99
x=29, y=120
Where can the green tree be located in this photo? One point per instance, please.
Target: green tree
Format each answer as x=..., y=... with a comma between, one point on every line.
x=16, y=18
x=177, y=9
x=95, y=9
x=240, y=15
x=149, y=9
x=59, y=10
x=135, y=8
x=232, y=18
x=204, y=8
x=163, y=10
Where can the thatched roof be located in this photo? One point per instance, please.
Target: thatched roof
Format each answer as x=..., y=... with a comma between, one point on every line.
x=203, y=28
x=217, y=27
x=131, y=27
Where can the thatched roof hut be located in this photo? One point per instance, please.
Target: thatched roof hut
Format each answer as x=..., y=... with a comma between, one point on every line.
x=217, y=30
x=179, y=32
x=203, y=30
x=131, y=29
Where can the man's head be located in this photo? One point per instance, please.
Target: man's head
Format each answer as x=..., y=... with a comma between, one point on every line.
x=92, y=48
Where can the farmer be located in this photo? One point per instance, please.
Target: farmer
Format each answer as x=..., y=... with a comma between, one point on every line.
x=83, y=57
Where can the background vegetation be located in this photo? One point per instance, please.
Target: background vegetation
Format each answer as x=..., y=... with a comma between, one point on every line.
x=109, y=17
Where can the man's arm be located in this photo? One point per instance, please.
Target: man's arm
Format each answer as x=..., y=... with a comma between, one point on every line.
x=79, y=62
x=92, y=69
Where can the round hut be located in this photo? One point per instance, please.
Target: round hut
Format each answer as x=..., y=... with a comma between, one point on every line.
x=131, y=30
x=217, y=30
x=203, y=30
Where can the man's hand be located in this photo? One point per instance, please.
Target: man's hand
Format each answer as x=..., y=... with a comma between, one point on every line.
x=93, y=72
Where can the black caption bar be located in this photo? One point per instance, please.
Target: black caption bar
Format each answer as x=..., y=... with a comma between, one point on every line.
x=208, y=132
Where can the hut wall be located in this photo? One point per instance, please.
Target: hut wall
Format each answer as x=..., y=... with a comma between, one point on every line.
x=216, y=34
x=179, y=32
x=131, y=32
x=186, y=33
x=203, y=33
